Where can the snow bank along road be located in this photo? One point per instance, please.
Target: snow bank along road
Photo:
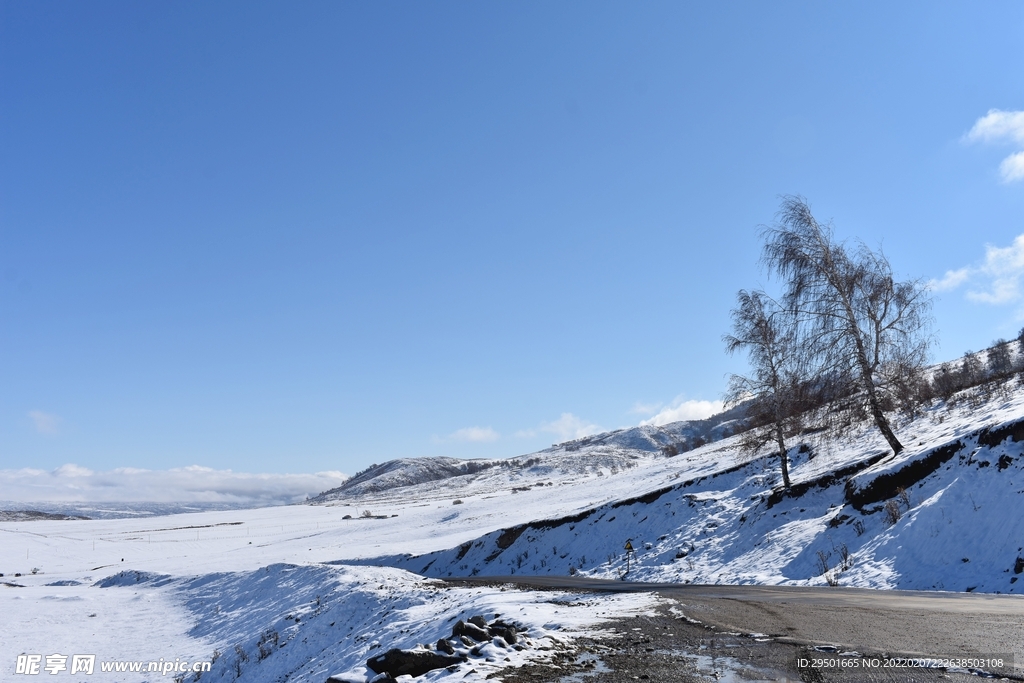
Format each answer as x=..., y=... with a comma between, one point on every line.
x=913, y=623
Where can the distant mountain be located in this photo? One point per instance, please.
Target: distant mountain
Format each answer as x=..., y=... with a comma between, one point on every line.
x=684, y=435
x=33, y=515
x=614, y=450
x=43, y=510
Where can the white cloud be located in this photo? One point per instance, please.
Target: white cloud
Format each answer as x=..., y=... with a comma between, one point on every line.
x=44, y=423
x=72, y=471
x=645, y=408
x=1012, y=167
x=996, y=280
x=685, y=410
x=568, y=426
x=1000, y=126
x=951, y=280
x=194, y=484
x=474, y=434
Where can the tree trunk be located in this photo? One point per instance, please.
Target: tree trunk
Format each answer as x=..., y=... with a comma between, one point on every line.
x=867, y=377
x=783, y=459
x=873, y=403
x=882, y=422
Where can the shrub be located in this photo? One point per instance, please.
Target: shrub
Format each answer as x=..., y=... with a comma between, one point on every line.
x=823, y=562
x=267, y=644
x=892, y=512
x=845, y=558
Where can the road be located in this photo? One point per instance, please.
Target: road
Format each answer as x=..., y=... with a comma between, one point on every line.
x=877, y=622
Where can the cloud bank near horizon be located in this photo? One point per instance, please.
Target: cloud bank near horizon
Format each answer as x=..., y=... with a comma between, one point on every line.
x=71, y=483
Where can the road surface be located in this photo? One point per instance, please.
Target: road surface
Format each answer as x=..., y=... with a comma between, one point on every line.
x=877, y=622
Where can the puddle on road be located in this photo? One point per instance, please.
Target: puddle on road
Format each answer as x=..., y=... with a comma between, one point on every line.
x=593, y=662
x=732, y=670
x=718, y=668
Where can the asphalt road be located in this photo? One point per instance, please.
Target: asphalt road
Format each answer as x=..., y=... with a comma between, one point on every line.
x=876, y=622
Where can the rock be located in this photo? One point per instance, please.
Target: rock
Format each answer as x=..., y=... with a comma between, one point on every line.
x=444, y=646
x=478, y=621
x=1018, y=566
x=507, y=632
x=473, y=631
x=397, y=662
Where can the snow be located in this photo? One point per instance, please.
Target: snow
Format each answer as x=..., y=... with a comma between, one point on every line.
x=960, y=526
x=305, y=591
x=285, y=622
x=231, y=582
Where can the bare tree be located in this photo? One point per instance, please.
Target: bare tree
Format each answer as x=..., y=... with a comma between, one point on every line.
x=999, y=360
x=862, y=323
x=946, y=381
x=769, y=336
x=1020, y=350
x=972, y=372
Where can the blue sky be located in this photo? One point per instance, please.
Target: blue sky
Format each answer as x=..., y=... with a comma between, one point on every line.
x=298, y=238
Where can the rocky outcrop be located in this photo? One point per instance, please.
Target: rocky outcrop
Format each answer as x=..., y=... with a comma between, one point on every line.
x=397, y=662
x=465, y=641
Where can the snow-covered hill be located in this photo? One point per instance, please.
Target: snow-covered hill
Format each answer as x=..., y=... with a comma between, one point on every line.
x=297, y=592
x=947, y=514
x=609, y=452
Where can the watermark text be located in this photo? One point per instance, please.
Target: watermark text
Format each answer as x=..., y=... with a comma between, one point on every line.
x=33, y=665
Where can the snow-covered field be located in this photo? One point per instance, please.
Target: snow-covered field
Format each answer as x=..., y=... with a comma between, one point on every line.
x=252, y=592
x=303, y=592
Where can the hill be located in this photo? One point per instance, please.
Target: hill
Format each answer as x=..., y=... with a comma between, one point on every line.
x=609, y=452
x=946, y=514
